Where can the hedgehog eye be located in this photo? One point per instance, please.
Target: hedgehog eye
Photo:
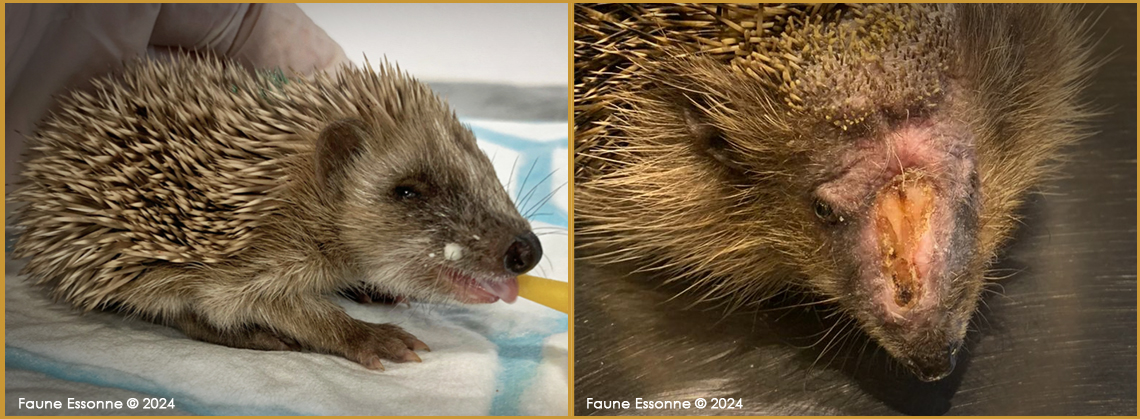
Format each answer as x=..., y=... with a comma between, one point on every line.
x=826, y=213
x=415, y=186
x=406, y=192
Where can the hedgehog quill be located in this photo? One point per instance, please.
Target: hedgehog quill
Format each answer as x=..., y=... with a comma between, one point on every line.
x=874, y=156
x=194, y=193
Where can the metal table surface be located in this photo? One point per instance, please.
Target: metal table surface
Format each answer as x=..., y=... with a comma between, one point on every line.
x=1057, y=337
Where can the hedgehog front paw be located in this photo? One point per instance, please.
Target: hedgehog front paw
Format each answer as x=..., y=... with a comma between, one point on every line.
x=365, y=294
x=267, y=341
x=385, y=341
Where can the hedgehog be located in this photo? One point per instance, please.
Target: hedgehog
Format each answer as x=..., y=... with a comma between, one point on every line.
x=230, y=204
x=872, y=157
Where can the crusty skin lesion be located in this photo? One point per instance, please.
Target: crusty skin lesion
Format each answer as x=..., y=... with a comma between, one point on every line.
x=904, y=210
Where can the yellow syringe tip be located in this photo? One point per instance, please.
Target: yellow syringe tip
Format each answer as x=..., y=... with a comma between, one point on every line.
x=548, y=292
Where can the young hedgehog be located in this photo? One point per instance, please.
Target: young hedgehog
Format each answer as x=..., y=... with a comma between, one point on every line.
x=870, y=155
x=193, y=193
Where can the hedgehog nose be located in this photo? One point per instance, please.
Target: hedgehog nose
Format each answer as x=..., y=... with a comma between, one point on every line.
x=523, y=253
x=937, y=364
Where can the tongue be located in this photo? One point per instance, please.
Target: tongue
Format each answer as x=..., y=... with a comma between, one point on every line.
x=508, y=290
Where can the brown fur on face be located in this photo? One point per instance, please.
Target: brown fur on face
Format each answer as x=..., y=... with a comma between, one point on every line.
x=749, y=149
x=228, y=204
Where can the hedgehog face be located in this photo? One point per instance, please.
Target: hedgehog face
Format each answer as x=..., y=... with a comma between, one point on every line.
x=873, y=154
x=881, y=217
x=898, y=208
x=425, y=217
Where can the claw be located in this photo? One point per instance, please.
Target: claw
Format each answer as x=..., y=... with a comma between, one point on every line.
x=373, y=363
x=419, y=344
x=411, y=356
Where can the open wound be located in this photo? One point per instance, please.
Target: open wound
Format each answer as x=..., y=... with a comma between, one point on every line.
x=902, y=213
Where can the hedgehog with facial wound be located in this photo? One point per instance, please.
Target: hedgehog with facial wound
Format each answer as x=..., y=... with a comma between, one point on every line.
x=873, y=156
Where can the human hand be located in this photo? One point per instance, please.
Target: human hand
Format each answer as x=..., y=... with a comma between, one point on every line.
x=54, y=48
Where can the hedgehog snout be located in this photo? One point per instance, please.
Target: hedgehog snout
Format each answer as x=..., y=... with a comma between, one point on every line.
x=936, y=363
x=523, y=254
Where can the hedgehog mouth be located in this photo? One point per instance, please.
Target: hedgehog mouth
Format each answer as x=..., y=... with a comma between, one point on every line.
x=473, y=290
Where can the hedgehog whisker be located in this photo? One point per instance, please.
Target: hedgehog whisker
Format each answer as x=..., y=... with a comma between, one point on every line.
x=511, y=177
x=522, y=184
x=834, y=336
x=534, y=188
x=544, y=200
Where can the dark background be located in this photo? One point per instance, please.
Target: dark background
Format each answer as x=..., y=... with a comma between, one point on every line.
x=1057, y=337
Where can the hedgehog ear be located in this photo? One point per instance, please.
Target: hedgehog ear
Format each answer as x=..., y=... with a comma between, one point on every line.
x=707, y=138
x=337, y=145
